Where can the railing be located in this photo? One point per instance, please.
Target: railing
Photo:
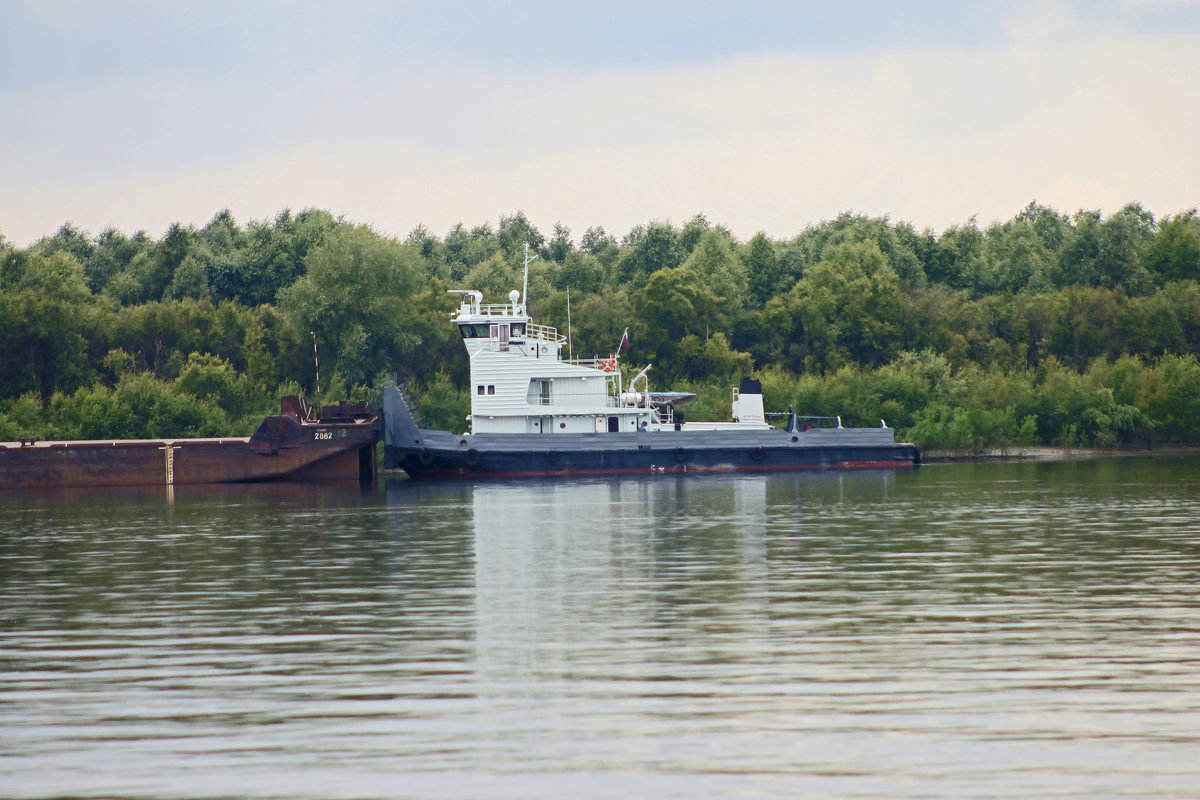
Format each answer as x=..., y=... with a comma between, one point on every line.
x=545, y=333
x=596, y=362
x=498, y=309
x=810, y=420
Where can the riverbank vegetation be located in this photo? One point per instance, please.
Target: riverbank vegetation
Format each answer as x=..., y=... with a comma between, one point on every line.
x=1046, y=329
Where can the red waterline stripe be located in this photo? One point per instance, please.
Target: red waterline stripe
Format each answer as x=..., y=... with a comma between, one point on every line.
x=466, y=472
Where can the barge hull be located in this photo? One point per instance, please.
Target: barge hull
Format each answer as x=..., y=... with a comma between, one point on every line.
x=291, y=446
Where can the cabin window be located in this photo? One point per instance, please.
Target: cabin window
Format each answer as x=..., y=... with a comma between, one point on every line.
x=613, y=425
x=479, y=389
x=491, y=389
x=473, y=331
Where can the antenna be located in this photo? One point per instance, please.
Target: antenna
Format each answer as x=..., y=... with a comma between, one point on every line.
x=525, y=288
x=570, y=352
x=316, y=361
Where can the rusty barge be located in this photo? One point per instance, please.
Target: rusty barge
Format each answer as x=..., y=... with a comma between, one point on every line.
x=299, y=444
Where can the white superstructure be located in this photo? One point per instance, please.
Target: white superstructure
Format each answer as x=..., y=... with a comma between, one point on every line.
x=520, y=382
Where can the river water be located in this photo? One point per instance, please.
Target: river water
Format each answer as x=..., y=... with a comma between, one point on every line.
x=989, y=630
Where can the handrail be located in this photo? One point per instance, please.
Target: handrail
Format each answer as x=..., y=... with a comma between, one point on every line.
x=588, y=361
x=545, y=332
x=499, y=309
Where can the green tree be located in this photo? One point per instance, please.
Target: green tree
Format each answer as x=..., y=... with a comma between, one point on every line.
x=212, y=378
x=268, y=257
x=1172, y=398
x=54, y=277
x=560, y=245
x=674, y=305
x=495, y=277
x=1108, y=253
x=959, y=259
x=357, y=298
x=111, y=256
x=1174, y=253
x=190, y=280
x=845, y=308
x=444, y=405
x=1018, y=257
x=579, y=271
x=42, y=342
x=713, y=260
x=713, y=360
x=646, y=250
x=514, y=232
x=692, y=232
x=431, y=250
x=1124, y=239
x=763, y=272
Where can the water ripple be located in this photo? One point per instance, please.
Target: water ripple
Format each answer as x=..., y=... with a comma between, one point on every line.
x=978, y=630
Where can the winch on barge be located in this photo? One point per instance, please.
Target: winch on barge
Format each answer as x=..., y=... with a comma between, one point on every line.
x=537, y=414
x=334, y=442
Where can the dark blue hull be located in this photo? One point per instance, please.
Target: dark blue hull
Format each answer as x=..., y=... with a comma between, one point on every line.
x=434, y=454
x=549, y=461
x=448, y=456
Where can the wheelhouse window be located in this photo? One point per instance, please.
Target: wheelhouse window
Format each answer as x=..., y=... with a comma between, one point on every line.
x=473, y=331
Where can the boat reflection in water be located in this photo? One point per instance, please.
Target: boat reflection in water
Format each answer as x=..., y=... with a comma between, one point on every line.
x=568, y=571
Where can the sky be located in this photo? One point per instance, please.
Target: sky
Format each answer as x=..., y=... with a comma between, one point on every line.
x=762, y=116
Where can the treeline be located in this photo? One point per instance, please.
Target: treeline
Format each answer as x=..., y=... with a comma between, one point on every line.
x=1045, y=329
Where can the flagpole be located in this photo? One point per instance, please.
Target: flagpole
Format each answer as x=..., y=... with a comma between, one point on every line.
x=620, y=344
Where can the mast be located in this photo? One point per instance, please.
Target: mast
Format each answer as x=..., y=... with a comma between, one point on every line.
x=525, y=287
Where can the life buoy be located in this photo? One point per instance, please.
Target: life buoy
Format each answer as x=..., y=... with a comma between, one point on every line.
x=472, y=457
x=609, y=365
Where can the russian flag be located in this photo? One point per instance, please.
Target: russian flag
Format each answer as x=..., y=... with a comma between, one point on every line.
x=624, y=345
